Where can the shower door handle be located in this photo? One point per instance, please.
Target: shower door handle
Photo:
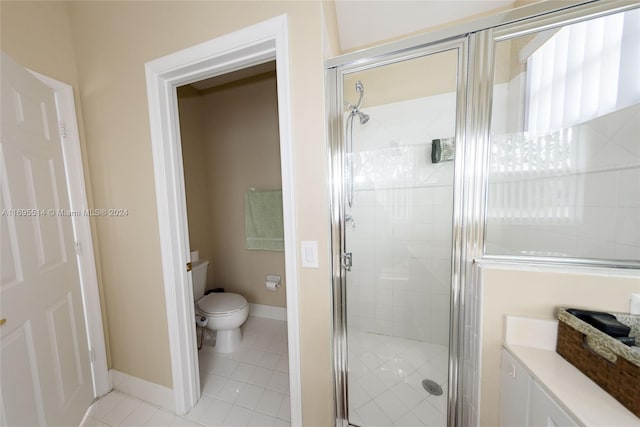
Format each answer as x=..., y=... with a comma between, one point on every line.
x=347, y=261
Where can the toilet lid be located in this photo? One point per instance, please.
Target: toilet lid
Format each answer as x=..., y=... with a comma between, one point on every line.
x=221, y=303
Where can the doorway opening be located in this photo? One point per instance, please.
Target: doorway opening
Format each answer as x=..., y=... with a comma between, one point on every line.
x=259, y=44
x=232, y=170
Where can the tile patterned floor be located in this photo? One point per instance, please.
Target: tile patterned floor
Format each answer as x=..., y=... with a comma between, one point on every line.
x=249, y=387
x=385, y=377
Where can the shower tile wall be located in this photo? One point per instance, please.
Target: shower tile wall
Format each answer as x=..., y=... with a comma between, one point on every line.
x=402, y=216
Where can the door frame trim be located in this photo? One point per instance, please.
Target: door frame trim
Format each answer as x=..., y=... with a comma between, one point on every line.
x=74, y=171
x=244, y=48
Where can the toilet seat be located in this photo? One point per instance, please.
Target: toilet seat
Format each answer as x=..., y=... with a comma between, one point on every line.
x=221, y=304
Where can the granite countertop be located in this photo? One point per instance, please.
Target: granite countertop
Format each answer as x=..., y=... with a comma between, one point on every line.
x=605, y=345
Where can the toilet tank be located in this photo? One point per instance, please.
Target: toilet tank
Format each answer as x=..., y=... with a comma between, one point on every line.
x=199, y=277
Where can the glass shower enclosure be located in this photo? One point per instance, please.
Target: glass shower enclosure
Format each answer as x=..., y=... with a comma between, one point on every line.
x=397, y=159
x=528, y=157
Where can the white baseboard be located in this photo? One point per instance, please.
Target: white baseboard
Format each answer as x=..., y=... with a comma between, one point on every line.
x=144, y=390
x=268, y=311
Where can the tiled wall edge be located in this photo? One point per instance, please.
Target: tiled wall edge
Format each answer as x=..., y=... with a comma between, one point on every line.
x=268, y=311
x=144, y=390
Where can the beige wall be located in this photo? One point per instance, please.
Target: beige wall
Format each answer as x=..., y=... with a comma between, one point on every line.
x=416, y=78
x=538, y=294
x=241, y=149
x=113, y=40
x=38, y=36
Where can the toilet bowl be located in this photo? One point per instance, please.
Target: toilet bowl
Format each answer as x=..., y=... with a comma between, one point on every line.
x=225, y=312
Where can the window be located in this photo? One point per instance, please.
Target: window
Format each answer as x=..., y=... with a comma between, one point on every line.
x=583, y=71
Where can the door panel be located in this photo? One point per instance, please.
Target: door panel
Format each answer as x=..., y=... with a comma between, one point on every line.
x=64, y=348
x=21, y=391
x=45, y=369
x=40, y=174
x=400, y=128
x=11, y=269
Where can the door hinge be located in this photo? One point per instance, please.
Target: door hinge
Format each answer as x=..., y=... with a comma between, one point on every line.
x=347, y=261
x=189, y=266
x=92, y=355
x=78, y=248
x=63, y=130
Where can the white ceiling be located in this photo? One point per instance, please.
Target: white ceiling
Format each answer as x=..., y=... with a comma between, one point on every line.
x=363, y=22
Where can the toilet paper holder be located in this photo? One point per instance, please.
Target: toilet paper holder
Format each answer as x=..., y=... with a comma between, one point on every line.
x=273, y=282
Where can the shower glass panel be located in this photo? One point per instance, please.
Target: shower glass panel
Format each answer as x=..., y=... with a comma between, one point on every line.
x=564, y=174
x=398, y=230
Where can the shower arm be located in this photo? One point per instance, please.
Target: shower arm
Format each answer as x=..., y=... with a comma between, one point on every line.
x=355, y=108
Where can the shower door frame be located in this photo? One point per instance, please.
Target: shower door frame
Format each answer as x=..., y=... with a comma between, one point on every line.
x=334, y=85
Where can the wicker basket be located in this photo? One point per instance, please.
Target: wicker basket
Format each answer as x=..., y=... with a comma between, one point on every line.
x=621, y=379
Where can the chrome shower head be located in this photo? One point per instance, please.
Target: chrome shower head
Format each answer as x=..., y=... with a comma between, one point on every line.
x=364, y=118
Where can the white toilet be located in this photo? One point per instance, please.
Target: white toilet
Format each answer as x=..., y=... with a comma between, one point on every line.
x=225, y=312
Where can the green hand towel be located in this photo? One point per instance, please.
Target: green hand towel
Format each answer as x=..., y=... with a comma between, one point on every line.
x=263, y=225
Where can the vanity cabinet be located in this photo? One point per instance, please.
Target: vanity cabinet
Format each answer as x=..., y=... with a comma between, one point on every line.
x=524, y=402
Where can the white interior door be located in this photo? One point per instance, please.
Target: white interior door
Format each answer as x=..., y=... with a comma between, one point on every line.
x=44, y=358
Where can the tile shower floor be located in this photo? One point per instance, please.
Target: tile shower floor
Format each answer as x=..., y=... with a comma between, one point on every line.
x=249, y=387
x=385, y=381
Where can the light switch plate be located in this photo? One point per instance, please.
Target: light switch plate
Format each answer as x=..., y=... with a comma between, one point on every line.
x=309, y=253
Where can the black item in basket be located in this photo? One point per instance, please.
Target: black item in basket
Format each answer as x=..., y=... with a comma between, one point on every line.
x=604, y=322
